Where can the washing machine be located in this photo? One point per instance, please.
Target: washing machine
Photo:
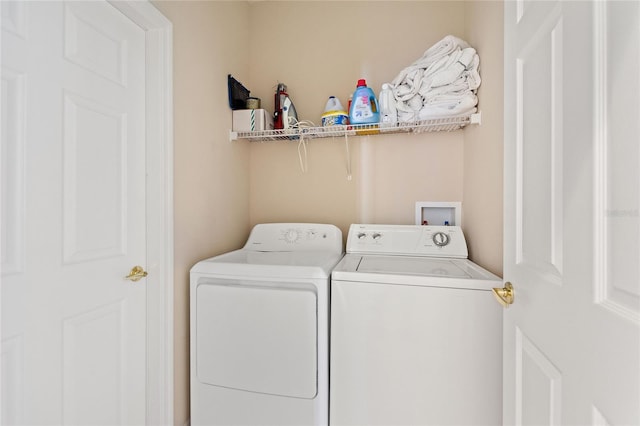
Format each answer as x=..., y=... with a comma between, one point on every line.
x=260, y=328
x=416, y=333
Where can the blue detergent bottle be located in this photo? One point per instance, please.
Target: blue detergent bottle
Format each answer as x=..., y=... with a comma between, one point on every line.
x=364, y=106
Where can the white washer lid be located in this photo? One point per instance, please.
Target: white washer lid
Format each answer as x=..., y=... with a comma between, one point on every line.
x=430, y=267
x=416, y=270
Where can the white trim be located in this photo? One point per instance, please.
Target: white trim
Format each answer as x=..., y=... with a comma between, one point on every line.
x=159, y=130
x=600, y=151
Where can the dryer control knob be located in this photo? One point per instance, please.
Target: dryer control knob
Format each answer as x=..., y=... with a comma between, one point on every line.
x=291, y=236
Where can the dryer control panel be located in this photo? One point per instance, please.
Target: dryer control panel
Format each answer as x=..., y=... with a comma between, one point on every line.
x=407, y=240
x=295, y=237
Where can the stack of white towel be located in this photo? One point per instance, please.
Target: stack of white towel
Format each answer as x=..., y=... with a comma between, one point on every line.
x=443, y=82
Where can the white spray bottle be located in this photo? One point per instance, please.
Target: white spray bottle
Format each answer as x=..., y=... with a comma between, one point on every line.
x=388, y=112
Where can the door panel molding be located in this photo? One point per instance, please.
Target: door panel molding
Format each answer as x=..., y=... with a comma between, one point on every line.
x=109, y=61
x=12, y=354
x=531, y=362
x=597, y=419
x=615, y=214
x=95, y=230
x=539, y=146
x=13, y=168
x=14, y=18
x=86, y=337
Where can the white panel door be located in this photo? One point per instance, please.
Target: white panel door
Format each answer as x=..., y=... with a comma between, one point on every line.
x=73, y=219
x=572, y=221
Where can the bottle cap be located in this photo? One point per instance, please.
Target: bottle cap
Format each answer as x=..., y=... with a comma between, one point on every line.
x=362, y=82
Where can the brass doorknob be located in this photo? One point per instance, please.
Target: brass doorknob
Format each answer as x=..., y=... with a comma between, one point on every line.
x=505, y=295
x=137, y=273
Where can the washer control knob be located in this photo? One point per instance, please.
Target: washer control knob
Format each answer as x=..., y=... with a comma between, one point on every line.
x=376, y=236
x=361, y=235
x=440, y=239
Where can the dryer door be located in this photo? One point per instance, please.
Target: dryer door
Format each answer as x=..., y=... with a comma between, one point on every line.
x=257, y=336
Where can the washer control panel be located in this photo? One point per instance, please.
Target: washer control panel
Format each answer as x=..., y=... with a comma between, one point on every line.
x=408, y=240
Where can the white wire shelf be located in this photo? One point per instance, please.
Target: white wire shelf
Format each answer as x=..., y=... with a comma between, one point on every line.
x=444, y=124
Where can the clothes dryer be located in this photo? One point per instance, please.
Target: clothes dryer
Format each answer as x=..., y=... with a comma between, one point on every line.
x=416, y=334
x=260, y=328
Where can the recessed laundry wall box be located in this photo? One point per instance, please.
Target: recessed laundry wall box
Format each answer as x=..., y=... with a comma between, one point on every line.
x=439, y=213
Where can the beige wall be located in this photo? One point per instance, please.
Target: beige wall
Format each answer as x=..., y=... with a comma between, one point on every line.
x=211, y=182
x=222, y=188
x=390, y=173
x=483, y=145
x=322, y=49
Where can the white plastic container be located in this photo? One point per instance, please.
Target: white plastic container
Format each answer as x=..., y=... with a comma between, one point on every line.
x=333, y=104
x=334, y=113
x=388, y=112
x=251, y=120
